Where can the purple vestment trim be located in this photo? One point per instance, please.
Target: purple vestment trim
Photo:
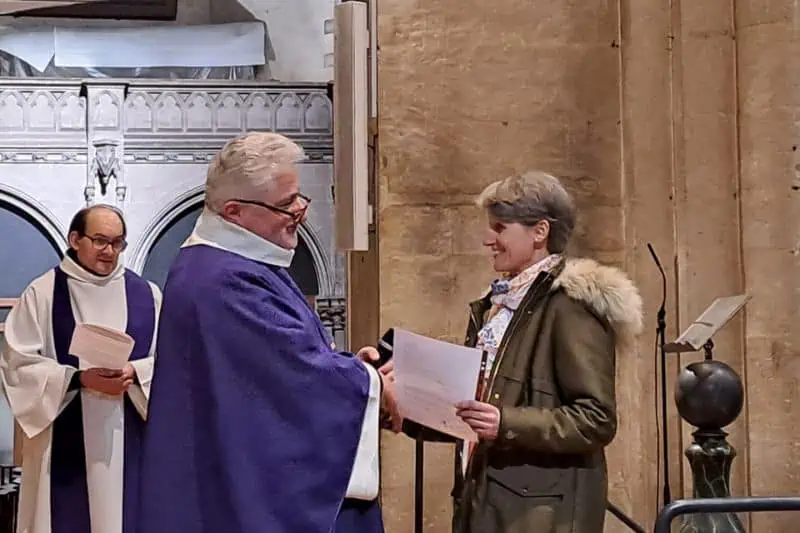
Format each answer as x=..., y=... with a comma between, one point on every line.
x=69, y=495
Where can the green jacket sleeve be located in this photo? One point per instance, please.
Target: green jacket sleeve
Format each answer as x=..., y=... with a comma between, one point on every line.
x=584, y=364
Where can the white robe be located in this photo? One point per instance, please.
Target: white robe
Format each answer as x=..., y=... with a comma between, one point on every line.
x=36, y=385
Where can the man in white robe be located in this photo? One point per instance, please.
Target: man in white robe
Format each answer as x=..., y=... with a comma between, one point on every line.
x=258, y=424
x=82, y=426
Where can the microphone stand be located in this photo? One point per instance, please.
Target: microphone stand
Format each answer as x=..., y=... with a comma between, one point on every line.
x=661, y=329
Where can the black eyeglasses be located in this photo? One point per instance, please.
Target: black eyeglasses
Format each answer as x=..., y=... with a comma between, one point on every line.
x=100, y=243
x=295, y=215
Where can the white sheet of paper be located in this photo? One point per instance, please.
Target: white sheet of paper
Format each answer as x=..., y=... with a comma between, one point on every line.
x=431, y=377
x=101, y=347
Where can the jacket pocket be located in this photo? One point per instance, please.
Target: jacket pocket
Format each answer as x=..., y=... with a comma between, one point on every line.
x=532, y=481
x=513, y=508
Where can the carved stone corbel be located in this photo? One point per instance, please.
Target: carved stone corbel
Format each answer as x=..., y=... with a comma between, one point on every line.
x=105, y=143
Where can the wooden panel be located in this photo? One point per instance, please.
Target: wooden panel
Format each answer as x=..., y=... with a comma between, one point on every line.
x=112, y=9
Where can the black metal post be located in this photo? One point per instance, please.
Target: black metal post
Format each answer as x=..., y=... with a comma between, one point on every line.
x=625, y=519
x=419, y=466
x=724, y=505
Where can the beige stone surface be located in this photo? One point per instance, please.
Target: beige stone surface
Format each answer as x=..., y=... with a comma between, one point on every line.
x=770, y=209
x=469, y=95
x=671, y=123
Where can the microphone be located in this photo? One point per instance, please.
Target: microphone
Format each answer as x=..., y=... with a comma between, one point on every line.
x=662, y=310
x=385, y=348
x=661, y=327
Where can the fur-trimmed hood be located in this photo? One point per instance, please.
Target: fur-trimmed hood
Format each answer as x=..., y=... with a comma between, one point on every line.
x=609, y=292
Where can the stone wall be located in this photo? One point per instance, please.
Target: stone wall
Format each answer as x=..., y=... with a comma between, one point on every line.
x=671, y=123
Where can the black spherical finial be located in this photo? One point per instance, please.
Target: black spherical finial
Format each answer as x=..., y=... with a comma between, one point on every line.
x=709, y=394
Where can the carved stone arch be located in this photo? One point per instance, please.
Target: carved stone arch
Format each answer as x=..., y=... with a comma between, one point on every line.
x=259, y=112
x=160, y=222
x=164, y=115
x=42, y=111
x=191, y=201
x=139, y=112
x=322, y=263
x=40, y=215
x=13, y=109
x=199, y=111
x=288, y=112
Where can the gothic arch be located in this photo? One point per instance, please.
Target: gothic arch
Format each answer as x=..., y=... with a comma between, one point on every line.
x=38, y=215
x=189, y=202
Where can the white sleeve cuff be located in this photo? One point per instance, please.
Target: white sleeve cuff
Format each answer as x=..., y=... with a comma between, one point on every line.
x=365, y=478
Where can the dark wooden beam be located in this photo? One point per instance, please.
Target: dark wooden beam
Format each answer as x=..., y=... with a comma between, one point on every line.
x=111, y=9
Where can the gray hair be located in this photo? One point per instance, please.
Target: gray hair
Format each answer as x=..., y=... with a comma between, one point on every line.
x=248, y=165
x=529, y=198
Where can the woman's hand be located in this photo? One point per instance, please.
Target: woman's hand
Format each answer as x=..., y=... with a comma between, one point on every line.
x=483, y=418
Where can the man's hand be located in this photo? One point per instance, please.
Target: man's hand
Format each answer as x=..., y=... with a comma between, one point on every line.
x=104, y=380
x=368, y=354
x=483, y=418
x=128, y=375
x=389, y=405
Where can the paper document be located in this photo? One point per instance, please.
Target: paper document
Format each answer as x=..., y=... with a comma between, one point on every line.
x=101, y=347
x=431, y=378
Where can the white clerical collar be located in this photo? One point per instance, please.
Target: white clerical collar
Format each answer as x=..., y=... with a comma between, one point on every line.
x=213, y=230
x=75, y=271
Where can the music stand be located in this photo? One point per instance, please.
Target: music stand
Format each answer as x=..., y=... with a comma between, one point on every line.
x=699, y=333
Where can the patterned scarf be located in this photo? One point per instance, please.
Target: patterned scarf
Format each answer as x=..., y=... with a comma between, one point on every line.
x=507, y=294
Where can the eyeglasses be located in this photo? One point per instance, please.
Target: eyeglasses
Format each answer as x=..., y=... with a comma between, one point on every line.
x=296, y=216
x=100, y=243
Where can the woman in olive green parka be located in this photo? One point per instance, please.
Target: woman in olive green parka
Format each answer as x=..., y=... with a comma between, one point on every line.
x=550, y=328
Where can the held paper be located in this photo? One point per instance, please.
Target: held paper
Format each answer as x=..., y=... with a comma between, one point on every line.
x=101, y=347
x=431, y=378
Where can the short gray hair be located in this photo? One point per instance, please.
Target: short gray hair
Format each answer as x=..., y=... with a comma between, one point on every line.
x=248, y=164
x=529, y=198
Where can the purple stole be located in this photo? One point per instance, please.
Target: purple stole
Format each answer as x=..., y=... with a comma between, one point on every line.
x=69, y=493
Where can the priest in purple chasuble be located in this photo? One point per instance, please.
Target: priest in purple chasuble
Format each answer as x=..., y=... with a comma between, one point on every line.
x=258, y=425
x=82, y=425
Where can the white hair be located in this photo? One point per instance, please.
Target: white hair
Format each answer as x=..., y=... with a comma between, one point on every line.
x=248, y=165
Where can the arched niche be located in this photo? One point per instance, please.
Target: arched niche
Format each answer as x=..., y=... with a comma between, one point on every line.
x=30, y=250
x=34, y=249
x=167, y=243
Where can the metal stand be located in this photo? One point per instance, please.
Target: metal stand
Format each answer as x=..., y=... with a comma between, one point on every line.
x=625, y=519
x=419, y=466
x=661, y=331
x=724, y=505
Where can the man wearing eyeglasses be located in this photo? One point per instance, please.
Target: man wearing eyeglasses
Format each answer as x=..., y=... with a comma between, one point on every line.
x=82, y=425
x=258, y=425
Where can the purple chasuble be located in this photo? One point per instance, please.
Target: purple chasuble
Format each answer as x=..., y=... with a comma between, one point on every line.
x=69, y=494
x=254, y=420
